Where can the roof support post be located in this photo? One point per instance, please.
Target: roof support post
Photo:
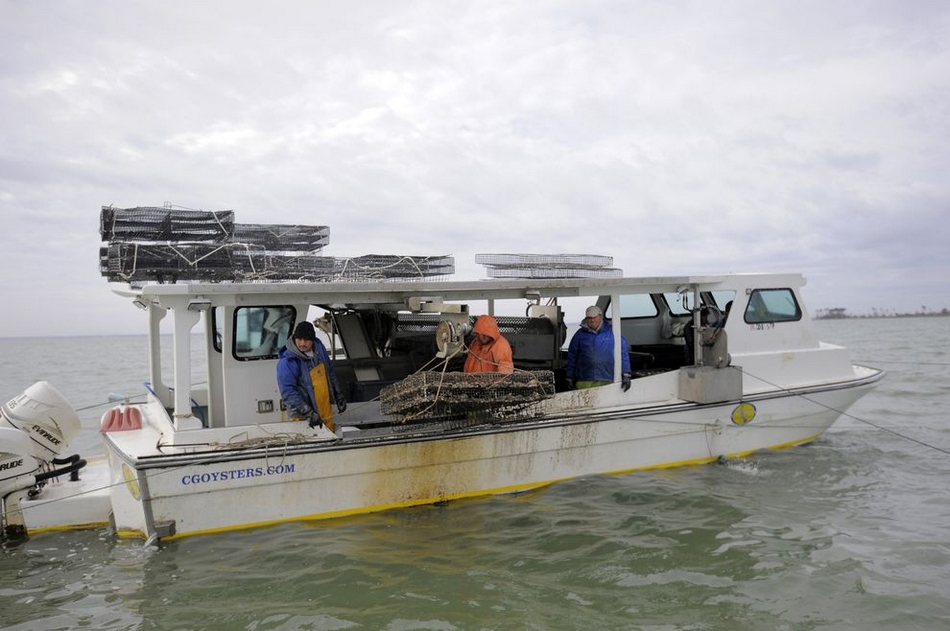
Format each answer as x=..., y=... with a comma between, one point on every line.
x=155, y=316
x=697, y=330
x=615, y=326
x=185, y=320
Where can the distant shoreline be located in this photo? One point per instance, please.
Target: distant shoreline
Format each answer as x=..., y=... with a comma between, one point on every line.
x=847, y=316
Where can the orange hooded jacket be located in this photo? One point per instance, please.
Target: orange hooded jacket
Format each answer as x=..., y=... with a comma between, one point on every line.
x=495, y=356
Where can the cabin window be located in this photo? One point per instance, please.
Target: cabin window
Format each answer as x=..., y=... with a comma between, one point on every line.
x=722, y=298
x=681, y=304
x=635, y=306
x=772, y=305
x=676, y=303
x=259, y=332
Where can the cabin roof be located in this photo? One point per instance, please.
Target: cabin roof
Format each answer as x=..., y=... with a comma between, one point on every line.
x=398, y=291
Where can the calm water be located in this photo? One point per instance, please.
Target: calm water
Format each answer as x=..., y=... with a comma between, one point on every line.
x=851, y=532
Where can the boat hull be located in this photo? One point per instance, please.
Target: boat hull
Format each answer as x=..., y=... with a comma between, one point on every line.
x=210, y=491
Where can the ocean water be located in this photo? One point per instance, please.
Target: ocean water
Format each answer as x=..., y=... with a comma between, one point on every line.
x=850, y=532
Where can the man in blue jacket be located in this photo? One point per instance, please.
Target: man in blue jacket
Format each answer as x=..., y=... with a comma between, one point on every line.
x=590, y=356
x=307, y=380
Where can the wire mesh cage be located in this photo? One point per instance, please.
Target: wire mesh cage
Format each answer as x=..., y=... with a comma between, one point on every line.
x=150, y=223
x=173, y=262
x=282, y=237
x=131, y=262
x=430, y=395
x=388, y=266
x=548, y=265
x=547, y=260
x=167, y=245
x=562, y=272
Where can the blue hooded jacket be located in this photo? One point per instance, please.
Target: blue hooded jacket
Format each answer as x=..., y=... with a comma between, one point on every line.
x=590, y=355
x=293, y=377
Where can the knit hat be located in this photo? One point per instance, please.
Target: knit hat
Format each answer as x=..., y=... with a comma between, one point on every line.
x=304, y=331
x=593, y=312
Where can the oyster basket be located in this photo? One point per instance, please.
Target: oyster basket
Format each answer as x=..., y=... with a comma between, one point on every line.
x=497, y=396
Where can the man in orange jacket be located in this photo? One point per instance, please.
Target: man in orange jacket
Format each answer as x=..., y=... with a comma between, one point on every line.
x=489, y=351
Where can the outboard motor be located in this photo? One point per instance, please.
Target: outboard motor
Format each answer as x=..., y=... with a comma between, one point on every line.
x=46, y=417
x=18, y=467
x=35, y=428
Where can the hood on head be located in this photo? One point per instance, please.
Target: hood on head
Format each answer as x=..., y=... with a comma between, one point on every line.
x=487, y=325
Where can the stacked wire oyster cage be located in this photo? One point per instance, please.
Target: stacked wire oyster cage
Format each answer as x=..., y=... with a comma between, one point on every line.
x=548, y=266
x=172, y=244
x=478, y=397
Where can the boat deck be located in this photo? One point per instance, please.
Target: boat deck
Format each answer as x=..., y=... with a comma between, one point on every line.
x=65, y=505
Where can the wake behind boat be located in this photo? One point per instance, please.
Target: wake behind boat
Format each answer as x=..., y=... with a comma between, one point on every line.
x=218, y=450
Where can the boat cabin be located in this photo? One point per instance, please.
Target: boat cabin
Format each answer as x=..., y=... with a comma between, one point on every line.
x=380, y=333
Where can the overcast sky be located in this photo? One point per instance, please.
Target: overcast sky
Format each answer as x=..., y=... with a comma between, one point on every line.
x=676, y=137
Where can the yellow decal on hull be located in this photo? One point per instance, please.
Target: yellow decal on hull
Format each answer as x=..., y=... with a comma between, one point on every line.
x=744, y=413
x=131, y=481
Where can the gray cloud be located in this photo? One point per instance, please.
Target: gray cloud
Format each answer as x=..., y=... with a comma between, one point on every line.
x=682, y=137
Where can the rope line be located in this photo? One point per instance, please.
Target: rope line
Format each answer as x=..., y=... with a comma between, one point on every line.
x=853, y=417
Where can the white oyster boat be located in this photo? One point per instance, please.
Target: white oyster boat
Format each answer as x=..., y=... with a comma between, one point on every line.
x=216, y=451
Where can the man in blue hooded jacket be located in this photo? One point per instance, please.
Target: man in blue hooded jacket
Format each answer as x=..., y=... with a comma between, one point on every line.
x=590, y=355
x=307, y=380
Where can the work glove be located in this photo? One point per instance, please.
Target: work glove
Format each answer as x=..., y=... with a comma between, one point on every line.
x=340, y=404
x=301, y=414
x=315, y=420
x=625, y=382
x=570, y=383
